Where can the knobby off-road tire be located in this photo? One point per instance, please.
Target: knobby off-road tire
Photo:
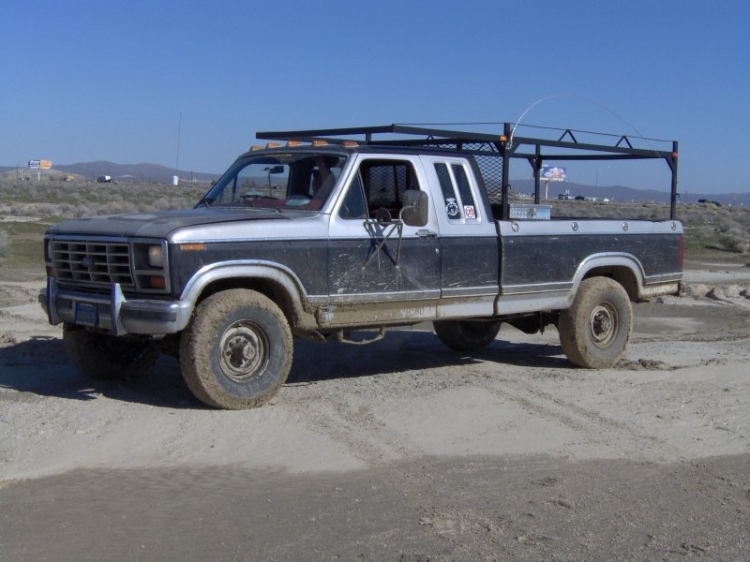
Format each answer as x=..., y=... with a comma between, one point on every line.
x=466, y=335
x=101, y=356
x=595, y=330
x=237, y=350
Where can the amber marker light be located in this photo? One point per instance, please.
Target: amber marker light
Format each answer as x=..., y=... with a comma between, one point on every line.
x=192, y=247
x=157, y=282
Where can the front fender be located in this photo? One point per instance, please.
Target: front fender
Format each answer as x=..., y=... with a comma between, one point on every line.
x=262, y=270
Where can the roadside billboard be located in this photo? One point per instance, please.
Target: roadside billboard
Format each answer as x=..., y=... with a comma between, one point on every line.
x=40, y=164
x=553, y=173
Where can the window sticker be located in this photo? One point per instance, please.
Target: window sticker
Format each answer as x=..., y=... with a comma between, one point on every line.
x=451, y=207
x=469, y=212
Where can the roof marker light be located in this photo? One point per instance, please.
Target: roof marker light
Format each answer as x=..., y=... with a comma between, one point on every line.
x=319, y=142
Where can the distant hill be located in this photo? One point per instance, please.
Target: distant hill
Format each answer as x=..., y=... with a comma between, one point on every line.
x=625, y=194
x=148, y=173
x=124, y=173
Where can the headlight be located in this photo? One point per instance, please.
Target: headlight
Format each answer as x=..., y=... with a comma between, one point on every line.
x=156, y=256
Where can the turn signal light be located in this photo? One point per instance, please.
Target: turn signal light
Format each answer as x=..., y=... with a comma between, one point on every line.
x=157, y=282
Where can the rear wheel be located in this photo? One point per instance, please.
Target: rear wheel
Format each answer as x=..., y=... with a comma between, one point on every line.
x=237, y=350
x=466, y=335
x=595, y=330
x=102, y=356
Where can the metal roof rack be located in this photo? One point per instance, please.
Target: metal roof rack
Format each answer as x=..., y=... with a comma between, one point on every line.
x=551, y=144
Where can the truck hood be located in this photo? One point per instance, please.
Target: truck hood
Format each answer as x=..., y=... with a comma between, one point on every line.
x=159, y=224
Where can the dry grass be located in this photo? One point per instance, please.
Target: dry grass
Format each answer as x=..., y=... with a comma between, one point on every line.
x=48, y=199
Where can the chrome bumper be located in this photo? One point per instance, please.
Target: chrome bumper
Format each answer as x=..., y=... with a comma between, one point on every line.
x=114, y=313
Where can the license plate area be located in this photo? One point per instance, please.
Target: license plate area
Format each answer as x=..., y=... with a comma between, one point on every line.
x=87, y=314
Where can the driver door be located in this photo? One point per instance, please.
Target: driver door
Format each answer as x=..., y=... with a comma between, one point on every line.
x=382, y=270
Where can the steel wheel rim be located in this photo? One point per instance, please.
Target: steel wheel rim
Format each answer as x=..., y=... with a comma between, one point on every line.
x=603, y=324
x=243, y=351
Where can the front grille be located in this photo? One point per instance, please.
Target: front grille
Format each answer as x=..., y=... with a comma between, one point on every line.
x=92, y=263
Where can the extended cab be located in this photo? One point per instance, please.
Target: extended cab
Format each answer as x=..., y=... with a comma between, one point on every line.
x=340, y=234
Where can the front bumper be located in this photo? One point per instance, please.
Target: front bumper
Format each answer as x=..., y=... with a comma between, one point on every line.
x=114, y=313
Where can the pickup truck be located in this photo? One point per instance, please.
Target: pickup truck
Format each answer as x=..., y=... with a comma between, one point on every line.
x=340, y=234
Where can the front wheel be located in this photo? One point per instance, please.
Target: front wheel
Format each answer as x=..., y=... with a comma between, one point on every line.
x=102, y=356
x=237, y=350
x=466, y=335
x=595, y=330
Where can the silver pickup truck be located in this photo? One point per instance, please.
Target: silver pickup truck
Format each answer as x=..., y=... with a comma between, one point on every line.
x=340, y=234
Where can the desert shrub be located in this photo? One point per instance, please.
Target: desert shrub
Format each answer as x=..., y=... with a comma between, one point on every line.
x=725, y=224
x=160, y=204
x=734, y=240
x=4, y=244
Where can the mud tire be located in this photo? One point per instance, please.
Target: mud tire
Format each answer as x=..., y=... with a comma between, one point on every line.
x=237, y=350
x=595, y=330
x=466, y=335
x=101, y=356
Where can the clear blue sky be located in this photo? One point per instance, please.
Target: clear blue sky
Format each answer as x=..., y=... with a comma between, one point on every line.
x=108, y=80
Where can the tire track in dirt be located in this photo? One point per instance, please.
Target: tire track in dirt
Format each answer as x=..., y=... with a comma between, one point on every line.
x=601, y=429
x=353, y=423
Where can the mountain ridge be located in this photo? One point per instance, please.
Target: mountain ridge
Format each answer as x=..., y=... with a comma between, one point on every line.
x=128, y=173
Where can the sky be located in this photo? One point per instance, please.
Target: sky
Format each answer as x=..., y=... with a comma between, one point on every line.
x=188, y=83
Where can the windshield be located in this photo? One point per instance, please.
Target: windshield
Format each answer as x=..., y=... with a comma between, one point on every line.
x=300, y=181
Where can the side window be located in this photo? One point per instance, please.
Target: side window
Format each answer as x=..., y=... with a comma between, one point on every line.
x=354, y=206
x=467, y=199
x=378, y=184
x=457, y=195
x=449, y=192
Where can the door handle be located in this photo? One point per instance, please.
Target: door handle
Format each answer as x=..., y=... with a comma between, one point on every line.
x=424, y=233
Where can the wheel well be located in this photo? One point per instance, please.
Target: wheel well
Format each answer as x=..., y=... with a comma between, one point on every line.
x=266, y=287
x=623, y=275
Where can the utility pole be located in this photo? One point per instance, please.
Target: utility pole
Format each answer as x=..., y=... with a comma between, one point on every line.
x=177, y=161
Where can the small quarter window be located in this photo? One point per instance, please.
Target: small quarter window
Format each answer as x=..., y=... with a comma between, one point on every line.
x=457, y=197
x=467, y=199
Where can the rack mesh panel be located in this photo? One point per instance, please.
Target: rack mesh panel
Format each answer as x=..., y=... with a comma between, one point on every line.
x=488, y=158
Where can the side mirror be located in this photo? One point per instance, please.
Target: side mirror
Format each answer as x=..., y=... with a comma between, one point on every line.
x=415, y=208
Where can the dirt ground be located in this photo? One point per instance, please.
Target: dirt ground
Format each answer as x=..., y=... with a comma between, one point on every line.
x=400, y=450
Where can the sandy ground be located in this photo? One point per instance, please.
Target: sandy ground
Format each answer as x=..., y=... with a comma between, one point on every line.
x=400, y=450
